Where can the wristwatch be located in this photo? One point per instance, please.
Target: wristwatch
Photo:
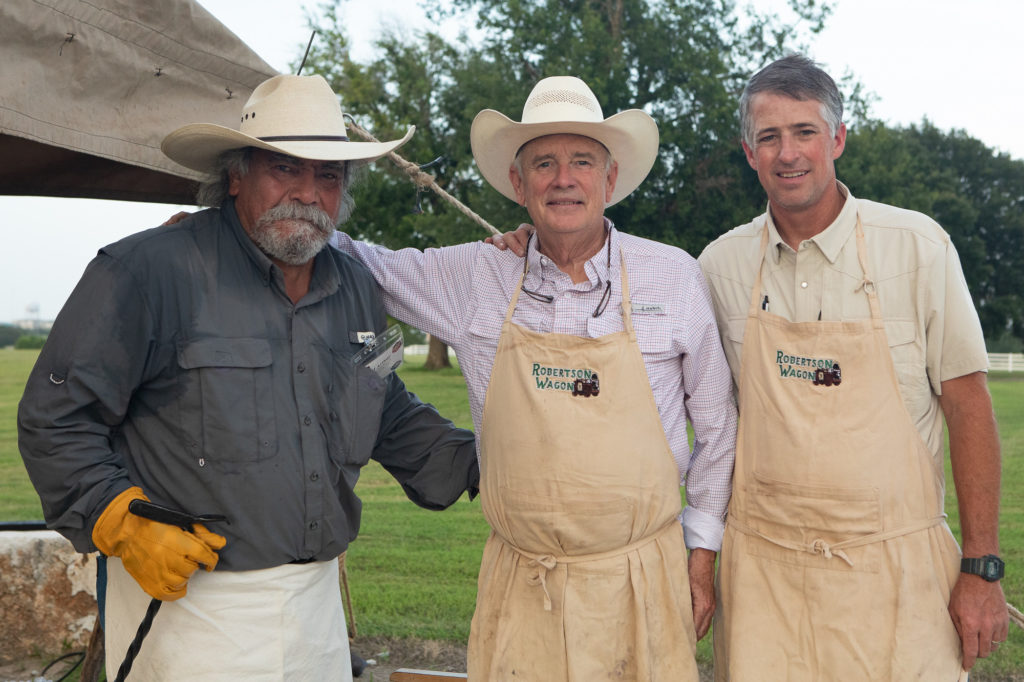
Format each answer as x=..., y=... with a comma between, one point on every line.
x=990, y=567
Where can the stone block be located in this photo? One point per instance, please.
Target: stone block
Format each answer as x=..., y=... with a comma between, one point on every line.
x=47, y=595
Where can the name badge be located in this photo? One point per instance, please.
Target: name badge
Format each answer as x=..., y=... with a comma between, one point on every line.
x=383, y=354
x=647, y=308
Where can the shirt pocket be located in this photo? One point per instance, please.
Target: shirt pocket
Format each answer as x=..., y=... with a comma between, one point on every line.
x=356, y=405
x=654, y=335
x=230, y=382
x=734, y=330
x=908, y=358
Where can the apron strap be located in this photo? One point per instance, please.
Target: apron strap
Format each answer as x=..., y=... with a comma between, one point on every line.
x=627, y=304
x=827, y=550
x=867, y=283
x=755, y=291
x=541, y=564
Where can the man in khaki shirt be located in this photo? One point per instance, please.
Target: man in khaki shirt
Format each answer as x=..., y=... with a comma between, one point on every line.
x=837, y=501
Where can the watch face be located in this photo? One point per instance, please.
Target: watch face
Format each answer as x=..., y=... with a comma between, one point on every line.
x=992, y=568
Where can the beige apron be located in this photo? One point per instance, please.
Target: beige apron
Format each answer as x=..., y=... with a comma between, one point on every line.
x=584, y=575
x=281, y=623
x=837, y=563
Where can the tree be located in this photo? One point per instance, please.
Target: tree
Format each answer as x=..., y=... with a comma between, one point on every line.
x=29, y=342
x=9, y=334
x=683, y=61
x=976, y=194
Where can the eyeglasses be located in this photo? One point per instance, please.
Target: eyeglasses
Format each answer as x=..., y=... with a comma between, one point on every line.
x=545, y=298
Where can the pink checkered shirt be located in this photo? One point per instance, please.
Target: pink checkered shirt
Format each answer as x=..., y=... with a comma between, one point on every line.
x=460, y=295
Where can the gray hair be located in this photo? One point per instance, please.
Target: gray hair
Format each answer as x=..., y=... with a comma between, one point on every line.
x=799, y=78
x=213, y=192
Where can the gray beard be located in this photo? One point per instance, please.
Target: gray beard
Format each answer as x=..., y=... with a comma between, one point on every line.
x=293, y=233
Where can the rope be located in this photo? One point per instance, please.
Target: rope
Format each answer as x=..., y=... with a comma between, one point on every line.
x=424, y=180
x=346, y=596
x=1016, y=617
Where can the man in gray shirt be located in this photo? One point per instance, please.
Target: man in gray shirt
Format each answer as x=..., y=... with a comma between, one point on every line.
x=210, y=367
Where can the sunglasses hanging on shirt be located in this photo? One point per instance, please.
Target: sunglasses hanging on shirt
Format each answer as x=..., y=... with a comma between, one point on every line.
x=545, y=298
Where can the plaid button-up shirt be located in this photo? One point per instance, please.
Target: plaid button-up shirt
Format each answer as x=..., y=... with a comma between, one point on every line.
x=460, y=295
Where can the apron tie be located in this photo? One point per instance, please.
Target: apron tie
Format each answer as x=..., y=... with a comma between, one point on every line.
x=819, y=546
x=540, y=566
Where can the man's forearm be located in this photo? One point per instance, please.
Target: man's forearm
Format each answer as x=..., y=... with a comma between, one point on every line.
x=976, y=461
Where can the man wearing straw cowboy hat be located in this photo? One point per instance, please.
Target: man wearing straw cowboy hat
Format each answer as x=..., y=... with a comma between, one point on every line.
x=851, y=334
x=215, y=367
x=583, y=362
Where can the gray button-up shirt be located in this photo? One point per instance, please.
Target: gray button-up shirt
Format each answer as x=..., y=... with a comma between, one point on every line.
x=180, y=365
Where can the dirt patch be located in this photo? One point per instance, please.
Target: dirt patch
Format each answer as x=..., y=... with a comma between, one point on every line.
x=389, y=654
x=423, y=654
x=31, y=668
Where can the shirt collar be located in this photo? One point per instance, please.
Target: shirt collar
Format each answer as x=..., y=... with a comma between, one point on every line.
x=830, y=240
x=541, y=267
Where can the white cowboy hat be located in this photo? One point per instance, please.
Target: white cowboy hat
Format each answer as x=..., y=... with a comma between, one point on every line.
x=295, y=115
x=564, y=104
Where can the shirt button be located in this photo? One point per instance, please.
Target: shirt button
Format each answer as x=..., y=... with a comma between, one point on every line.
x=314, y=476
x=301, y=368
x=307, y=421
x=803, y=285
x=313, y=525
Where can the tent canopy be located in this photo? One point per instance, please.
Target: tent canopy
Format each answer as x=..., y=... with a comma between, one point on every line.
x=88, y=90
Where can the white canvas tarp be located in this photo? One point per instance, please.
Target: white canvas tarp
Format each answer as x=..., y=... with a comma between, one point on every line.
x=89, y=88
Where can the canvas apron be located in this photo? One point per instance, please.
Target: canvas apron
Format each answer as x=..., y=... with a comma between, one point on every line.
x=837, y=563
x=583, y=577
x=281, y=623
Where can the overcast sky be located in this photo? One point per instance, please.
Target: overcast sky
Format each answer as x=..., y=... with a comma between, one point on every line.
x=948, y=60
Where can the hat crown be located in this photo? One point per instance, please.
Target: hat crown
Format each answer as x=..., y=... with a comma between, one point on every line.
x=561, y=98
x=272, y=109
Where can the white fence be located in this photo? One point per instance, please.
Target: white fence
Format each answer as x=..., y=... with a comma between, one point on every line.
x=421, y=349
x=1006, y=362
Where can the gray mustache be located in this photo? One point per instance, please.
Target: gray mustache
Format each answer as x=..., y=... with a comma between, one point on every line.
x=316, y=217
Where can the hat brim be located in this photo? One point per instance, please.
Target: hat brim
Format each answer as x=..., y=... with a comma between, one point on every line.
x=631, y=136
x=198, y=145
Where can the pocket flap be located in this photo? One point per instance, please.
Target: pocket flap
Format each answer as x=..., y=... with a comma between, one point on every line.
x=899, y=332
x=735, y=328
x=224, y=353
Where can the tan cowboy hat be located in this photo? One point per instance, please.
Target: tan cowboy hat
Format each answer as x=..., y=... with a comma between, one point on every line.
x=295, y=115
x=564, y=104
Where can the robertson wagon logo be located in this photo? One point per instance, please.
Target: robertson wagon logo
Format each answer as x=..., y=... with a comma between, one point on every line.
x=819, y=371
x=578, y=381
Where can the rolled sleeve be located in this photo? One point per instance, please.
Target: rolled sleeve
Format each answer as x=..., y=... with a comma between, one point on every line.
x=701, y=530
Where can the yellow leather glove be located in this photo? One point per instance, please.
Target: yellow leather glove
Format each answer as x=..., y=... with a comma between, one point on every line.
x=159, y=556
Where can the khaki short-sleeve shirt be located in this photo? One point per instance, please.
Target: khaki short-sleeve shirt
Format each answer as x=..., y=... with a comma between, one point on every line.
x=933, y=329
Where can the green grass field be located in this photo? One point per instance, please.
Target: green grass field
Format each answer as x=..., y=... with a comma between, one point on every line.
x=413, y=572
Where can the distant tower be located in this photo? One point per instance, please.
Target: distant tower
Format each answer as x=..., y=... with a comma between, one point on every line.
x=33, y=313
